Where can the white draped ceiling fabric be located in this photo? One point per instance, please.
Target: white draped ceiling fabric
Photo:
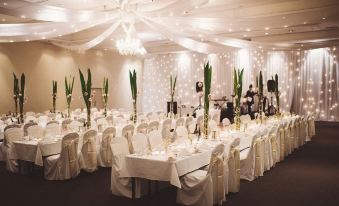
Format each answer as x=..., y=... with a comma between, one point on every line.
x=54, y=22
x=307, y=79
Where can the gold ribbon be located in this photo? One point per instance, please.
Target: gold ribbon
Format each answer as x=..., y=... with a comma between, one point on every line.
x=216, y=169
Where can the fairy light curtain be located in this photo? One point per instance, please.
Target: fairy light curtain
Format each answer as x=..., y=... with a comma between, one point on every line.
x=307, y=79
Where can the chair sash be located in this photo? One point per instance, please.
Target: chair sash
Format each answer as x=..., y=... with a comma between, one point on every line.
x=282, y=144
x=273, y=139
x=89, y=151
x=258, y=168
x=106, y=151
x=71, y=149
x=216, y=170
x=234, y=170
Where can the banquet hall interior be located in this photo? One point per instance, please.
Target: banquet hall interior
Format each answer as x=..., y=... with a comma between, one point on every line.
x=169, y=102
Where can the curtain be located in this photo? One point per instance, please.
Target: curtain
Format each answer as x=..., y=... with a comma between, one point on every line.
x=308, y=79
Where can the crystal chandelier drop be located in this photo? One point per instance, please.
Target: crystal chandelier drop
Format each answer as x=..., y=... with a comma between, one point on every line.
x=130, y=46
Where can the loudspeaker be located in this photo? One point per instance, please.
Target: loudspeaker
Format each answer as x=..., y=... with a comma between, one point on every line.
x=199, y=86
x=175, y=107
x=270, y=85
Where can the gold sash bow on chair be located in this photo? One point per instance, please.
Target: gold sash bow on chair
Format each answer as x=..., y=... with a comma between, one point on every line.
x=258, y=158
x=71, y=149
x=216, y=170
x=273, y=139
x=90, y=152
x=235, y=158
x=106, y=151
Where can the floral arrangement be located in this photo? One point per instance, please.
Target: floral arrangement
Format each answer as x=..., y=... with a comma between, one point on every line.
x=207, y=85
x=16, y=93
x=260, y=86
x=134, y=90
x=172, y=91
x=105, y=94
x=237, y=89
x=277, y=93
x=86, y=88
x=19, y=94
x=54, y=94
x=69, y=83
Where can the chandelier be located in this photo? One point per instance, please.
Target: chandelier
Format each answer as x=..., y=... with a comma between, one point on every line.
x=130, y=46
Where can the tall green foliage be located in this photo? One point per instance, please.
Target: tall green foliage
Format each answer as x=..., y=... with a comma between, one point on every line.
x=134, y=90
x=133, y=84
x=276, y=91
x=16, y=93
x=105, y=93
x=237, y=85
x=54, y=93
x=207, y=83
x=261, y=85
x=69, y=83
x=19, y=94
x=86, y=87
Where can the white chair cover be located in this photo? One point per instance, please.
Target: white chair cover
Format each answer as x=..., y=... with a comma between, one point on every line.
x=11, y=135
x=88, y=155
x=140, y=144
x=52, y=130
x=180, y=122
x=226, y=122
x=35, y=131
x=28, y=124
x=154, y=125
x=155, y=140
x=233, y=183
x=251, y=161
x=142, y=128
x=121, y=186
x=203, y=187
x=64, y=165
x=127, y=132
x=105, y=154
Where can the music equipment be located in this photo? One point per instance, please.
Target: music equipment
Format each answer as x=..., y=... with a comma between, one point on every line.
x=227, y=112
x=199, y=86
x=270, y=85
x=175, y=107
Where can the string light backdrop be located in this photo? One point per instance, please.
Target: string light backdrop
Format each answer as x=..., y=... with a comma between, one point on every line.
x=307, y=79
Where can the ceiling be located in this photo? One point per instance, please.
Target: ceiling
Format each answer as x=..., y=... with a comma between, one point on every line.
x=304, y=23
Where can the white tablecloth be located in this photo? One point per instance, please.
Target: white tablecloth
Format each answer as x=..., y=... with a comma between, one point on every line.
x=159, y=167
x=34, y=151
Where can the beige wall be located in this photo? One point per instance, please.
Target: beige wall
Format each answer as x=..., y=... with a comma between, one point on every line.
x=43, y=62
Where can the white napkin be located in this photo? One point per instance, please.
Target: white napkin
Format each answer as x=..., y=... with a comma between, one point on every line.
x=184, y=152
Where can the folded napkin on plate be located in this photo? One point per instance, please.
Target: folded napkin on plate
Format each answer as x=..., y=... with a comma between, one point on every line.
x=185, y=152
x=171, y=157
x=203, y=146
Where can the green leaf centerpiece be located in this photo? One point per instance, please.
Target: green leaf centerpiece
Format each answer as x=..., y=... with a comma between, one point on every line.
x=207, y=88
x=134, y=90
x=237, y=89
x=69, y=83
x=54, y=94
x=86, y=88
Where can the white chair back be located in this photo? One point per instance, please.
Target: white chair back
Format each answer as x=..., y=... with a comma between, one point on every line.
x=155, y=140
x=35, y=131
x=52, y=130
x=142, y=128
x=226, y=122
x=140, y=144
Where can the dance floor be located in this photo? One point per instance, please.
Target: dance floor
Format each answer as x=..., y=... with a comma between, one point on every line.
x=309, y=176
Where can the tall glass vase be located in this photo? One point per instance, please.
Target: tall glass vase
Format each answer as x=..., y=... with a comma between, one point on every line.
x=237, y=118
x=206, y=125
x=69, y=111
x=260, y=109
x=134, y=111
x=171, y=108
x=88, y=117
